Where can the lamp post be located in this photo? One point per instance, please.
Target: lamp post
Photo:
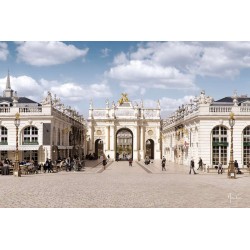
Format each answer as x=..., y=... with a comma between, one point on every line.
x=17, y=170
x=231, y=169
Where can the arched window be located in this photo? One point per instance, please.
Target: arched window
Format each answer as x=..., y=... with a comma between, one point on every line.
x=30, y=135
x=3, y=135
x=219, y=144
x=246, y=145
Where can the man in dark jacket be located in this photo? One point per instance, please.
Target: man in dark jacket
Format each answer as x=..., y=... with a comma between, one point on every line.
x=192, y=166
x=200, y=163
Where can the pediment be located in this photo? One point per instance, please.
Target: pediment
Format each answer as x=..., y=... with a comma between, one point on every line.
x=4, y=104
x=245, y=103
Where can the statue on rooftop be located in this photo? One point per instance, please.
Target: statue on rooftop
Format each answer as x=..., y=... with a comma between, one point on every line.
x=124, y=98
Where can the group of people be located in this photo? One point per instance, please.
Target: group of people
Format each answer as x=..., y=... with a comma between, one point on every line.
x=92, y=156
x=69, y=163
x=200, y=165
x=236, y=166
x=219, y=167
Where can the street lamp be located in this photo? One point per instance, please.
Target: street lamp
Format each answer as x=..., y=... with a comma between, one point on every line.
x=17, y=170
x=231, y=169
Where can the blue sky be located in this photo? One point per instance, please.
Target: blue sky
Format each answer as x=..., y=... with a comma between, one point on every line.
x=172, y=72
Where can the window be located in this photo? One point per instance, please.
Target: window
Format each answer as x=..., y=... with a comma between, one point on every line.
x=30, y=154
x=246, y=145
x=219, y=145
x=30, y=135
x=3, y=136
x=4, y=155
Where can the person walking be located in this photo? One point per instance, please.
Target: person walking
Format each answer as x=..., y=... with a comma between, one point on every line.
x=192, y=166
x=104, y=162
x=130, y=162
x=163, y=163
x=200, y=164
x=220, y=168
x=163, y=166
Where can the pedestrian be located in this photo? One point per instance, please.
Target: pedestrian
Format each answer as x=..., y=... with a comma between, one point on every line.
x=163, y=163
x=67, y=164
x=147, y=160
x=130, y=162
x=200, y=164
x=50, y=166
x=220, y=168
x=163, y=159
x=104, y=163
x=192, y=166
x=163, y=166
x=46, y=166
x=236, y=165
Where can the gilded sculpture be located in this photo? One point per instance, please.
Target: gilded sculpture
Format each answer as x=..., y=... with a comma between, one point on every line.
x=124, y=98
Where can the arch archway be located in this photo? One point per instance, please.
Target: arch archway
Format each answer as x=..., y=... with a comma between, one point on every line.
x=98, y=147
x=150, y=144
x=124, y=144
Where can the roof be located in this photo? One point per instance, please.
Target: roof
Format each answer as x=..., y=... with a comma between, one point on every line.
x=229, y=99
x=20, y=100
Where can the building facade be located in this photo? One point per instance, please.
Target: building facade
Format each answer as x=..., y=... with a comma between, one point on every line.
x=124, y=130
x=47, y=129
x=201, y=129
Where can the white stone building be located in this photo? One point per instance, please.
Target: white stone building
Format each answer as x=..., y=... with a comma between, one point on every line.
x=201, y=129
x=47, y=129
x=125, y=130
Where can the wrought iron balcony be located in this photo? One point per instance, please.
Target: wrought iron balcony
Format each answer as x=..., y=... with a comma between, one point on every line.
x=30, y=143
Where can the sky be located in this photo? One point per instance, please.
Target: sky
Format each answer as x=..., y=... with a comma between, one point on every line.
x=172, y=72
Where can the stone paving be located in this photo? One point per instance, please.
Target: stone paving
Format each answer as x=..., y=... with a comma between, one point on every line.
x=123, y=186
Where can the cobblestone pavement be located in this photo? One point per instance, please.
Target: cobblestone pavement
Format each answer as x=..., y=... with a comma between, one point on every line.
x=123, y=186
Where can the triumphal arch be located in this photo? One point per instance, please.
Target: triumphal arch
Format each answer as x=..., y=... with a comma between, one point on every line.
x=124, y=130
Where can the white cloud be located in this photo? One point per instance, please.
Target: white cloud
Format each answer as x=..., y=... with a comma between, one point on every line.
x=68, y=92
x=76, y=92
x=105, y=52
x=168, y=105
x=150, y=75
x=3, y=51
x=171, y=104
x=121, y=58
x=175, y=65
x=132, y=90
x=48, y=53
x=25, y=86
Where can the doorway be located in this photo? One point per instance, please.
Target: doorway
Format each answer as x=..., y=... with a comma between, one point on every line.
x=124, y=144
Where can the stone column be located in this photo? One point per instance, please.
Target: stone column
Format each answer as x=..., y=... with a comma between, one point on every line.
x=135, y=146
x=107, y=138
x=157, y=144
x=91, y=137
x=141, y=143
x=112, y=141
